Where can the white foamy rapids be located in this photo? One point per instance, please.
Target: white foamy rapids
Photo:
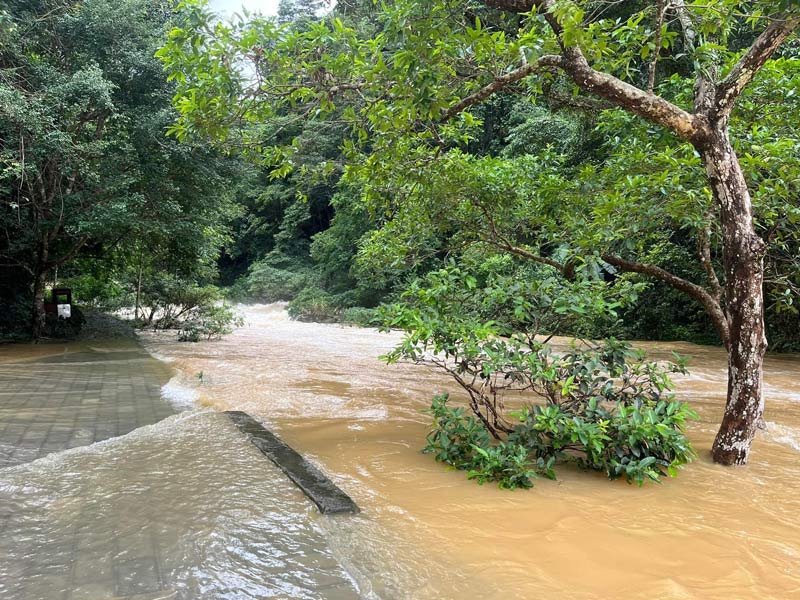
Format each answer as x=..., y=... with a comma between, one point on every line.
x=179, y=395
x=264, y=314
x=782, y=434
x=158, y=355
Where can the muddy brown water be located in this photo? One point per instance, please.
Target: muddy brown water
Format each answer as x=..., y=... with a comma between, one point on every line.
x=188, y=509
x=427, y=532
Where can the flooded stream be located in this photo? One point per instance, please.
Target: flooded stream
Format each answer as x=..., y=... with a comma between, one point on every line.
x=427, y=532
x=188, y=509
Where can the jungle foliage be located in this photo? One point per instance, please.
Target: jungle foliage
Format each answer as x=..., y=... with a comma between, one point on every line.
x=688, y=179
x=401, y=222
x=92, y=194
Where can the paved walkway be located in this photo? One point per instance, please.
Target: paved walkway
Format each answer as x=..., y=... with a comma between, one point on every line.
x=179, y=514
x=57, y=396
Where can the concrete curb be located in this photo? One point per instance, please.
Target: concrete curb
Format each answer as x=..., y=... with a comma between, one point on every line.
x=328, y=497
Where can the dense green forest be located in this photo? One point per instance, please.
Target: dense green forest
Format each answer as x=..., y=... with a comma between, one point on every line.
x=329, y=244
x=94, y=195
x=627, y=170
x=306, y=236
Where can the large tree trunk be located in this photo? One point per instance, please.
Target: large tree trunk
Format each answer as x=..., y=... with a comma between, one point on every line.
x=38, y=316
x=743, y=257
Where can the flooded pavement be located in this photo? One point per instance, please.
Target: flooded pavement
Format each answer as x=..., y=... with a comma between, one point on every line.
x=426, y=532
x=181, y=506
x=184, y=509
x=63, y=395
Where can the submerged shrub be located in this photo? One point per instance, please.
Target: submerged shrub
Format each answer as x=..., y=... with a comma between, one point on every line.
x=600, y=405
x=209, y=323
x=461, y=441
x=638, y=443
x=168, y=302
x=507, y=464
x=455, y=434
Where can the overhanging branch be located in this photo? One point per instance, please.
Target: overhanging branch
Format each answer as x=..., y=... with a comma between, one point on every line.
x=69, y=254
x=528, y=255
x=649, y=106
x=501, y=82
x=500, y=241
x=698, y=292
x=743, y=72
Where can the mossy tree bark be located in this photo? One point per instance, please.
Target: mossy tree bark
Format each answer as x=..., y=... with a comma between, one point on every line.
x=743, y=258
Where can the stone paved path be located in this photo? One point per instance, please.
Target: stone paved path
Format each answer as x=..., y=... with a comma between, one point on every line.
x=141, y=519
x=57, y=396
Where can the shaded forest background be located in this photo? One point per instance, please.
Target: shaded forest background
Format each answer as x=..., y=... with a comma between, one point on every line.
x=95, y=197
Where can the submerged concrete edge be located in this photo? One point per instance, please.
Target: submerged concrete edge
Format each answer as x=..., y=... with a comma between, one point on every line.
x=327, y=496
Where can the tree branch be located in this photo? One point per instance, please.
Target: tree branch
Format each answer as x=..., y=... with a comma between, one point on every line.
x=621, y=94
x=501, y=82
x=743, y=72
x=528, y=255
x=16, y=263
x=659, y=25
x=500, y=241
x=543, y=7
x=652, y=107
x=706, y=72
x=69, y=255
x=559, y=101
x=689, y=32
x=697, y=292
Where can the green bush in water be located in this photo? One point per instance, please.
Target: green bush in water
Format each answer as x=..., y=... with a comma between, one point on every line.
x=599, y=405
x=461, y=440
x=639, y=442
x=210, y=322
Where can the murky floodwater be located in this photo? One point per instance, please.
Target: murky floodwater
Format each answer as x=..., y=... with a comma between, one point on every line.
x=184, y=509
x=427, y=532
x=188, y=509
